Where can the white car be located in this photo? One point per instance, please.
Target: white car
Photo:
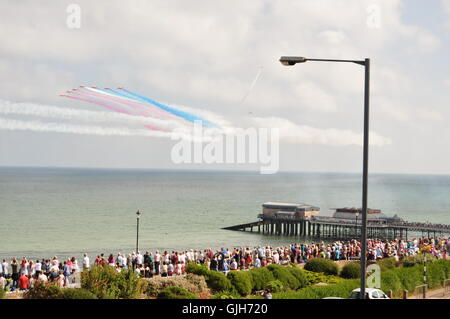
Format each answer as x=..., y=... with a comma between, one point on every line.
x=371, y=293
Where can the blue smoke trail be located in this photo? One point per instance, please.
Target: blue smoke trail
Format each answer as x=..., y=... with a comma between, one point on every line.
x=187, y=116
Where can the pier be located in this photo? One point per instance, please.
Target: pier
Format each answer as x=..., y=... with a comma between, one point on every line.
x=285, y=219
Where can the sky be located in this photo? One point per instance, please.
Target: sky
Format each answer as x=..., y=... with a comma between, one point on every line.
x=222, y=57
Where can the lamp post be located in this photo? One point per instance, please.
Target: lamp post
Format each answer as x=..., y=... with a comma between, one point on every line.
x=138, y=214
x=356, y=223
x=292, y=60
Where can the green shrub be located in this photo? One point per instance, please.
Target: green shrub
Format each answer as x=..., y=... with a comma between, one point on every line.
x=328, y=267
x=275, y=286
x=342, y=289
x=351, y=270
x=260, y=277
x=410, y=277
x=106, y=283
x=196, y=269
x=192, y=283
x=176, y=293
x=390, y=281
x=300, y=275
x=283, y=274
x=412, y=261
x=2, y=293
x=227, y=295
x=387, y=263
x=217, y=281
x=436, y=274
x=317, y=277
x=44, y=290
x=77, y=293
x=241, y=281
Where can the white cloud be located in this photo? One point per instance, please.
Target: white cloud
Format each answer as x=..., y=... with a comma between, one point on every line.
x=206, y=54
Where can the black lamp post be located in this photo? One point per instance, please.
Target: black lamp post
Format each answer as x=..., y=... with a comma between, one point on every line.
x=288, y=60
x=356, y=223
x=137, y=230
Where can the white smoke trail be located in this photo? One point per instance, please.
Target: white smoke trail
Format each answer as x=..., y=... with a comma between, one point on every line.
x=32, y=109
x=252, y=84
x=38, y=126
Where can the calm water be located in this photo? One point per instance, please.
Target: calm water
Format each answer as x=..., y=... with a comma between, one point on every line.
x=47, y=211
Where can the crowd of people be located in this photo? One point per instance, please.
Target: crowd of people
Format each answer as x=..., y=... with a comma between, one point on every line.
x=23, y=275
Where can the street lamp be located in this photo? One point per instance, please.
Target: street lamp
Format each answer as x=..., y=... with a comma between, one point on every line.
x=292, y=60
x=138, y=214
x=356, y=223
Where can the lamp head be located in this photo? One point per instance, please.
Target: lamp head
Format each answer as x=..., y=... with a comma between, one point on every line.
x=138, y=213
x=292, y=60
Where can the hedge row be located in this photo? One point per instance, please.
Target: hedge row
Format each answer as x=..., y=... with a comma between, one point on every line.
x=407, y=278
x=342, y=290
x=395, y=279
x=326, y=266
x=245, y=282
x=50, y=290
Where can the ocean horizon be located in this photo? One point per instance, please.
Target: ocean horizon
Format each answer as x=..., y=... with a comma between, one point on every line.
x=48, y=211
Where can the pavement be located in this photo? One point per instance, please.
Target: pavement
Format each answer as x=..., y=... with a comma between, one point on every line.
x=435, y=294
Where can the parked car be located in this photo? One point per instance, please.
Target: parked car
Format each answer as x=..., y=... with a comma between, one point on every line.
x=371, y=293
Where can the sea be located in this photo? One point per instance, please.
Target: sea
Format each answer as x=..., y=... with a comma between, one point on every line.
x=70, y=211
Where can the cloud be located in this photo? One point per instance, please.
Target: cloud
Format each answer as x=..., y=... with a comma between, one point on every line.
x=304, y=134
x=207, y=54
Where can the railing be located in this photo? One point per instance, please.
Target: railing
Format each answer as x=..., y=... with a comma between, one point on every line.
x=420, y=292
x=446, y=285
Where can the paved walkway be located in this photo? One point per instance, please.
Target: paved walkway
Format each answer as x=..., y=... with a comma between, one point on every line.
x=435, y=294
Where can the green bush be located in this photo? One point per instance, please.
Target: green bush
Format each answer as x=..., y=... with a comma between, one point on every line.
x=342, y=289
x=241, y=281
x=44, y=290
x=409, y=277
x=106, y=283
x=196, y=269
x=300, y=275
x=192, y=283
x=283, y=274
x=436, y=274
x=176, y=293
x=227, y=295
x=2, y=293
x=317, y=277
x=351, y=270
x=412, y=261
x=260, y=277
x=78, y=293
x=390, y=281
x=217, y=281
x=328, y=267
x=387, y=263
x=275, y=286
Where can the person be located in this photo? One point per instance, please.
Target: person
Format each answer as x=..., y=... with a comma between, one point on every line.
x=111, y=261
x=15, y=272
x=86, y=264
x=23, y=282
x=42, y=277
x=67, y=273
x=157, y=262
x=3, y=282
x=5, y=268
